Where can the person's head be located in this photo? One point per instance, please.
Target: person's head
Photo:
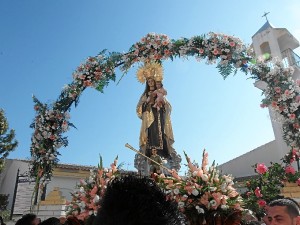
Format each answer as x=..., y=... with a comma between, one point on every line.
x=131, y=200
x=283, y=211
x=62, y=219
x=51, y=221
x=154, y=151
x=72, y=220
x=28, y=219
x=150, y=84
x=158, y=84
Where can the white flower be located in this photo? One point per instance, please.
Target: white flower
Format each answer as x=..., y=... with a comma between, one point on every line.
x=91, y=179
x=176, y=191
x=81, y=189
x=96, y=199
x=204, y=177
x=213, y=203
x=199, y=210
x=180, y=204
x=224, y=207
x=212, y=188
x=195, y=192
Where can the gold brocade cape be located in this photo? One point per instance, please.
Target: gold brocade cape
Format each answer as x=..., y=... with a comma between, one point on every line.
x=147, y=118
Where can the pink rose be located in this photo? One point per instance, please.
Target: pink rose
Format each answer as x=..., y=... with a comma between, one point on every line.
x=216, y=52
x=274, y=104
x=261, y=203
x=257, y=192
x=263, y=105
x=292, y=116
x=277, y=89
x=261, y=168
x=290, y=169
x=286, y=92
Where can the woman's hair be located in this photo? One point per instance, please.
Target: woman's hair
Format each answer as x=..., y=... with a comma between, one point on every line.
x=131, y=200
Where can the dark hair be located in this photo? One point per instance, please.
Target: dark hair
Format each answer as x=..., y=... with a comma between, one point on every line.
x=26, y=219
x=90, y=220
x=51, y=221
x=132, y=200
x=291, y=205
x=72, y=220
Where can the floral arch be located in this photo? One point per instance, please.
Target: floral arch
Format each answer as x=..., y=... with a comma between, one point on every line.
x=229, y=53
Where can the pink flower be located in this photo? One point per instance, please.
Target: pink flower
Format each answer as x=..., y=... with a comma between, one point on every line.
x=294, y=151
x=261, y=168
x=298, y=82
x=298, y=98
x=217, y=196
x=216, y=52
x=298, y=181
x=201, y=51
x=233, y=194
x=204, y=199
x=274, y=104
x=94, y=191
x=277, y=89
x=261, y=203
x=292, y=116
x=257, y=192
x=296, y=125
x=232, y=44
x=290, y=169
x=204, y=161
x=263, y=105
x=286, y=92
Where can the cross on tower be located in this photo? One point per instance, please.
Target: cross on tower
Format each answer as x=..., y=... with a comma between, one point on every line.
x=265, y=15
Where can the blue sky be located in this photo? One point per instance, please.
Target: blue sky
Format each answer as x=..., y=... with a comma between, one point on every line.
x=42, y=42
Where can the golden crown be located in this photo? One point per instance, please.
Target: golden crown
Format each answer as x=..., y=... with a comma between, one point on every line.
x=150, y=70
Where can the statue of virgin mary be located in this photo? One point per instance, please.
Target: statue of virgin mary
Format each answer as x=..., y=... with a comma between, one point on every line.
x=156, y=129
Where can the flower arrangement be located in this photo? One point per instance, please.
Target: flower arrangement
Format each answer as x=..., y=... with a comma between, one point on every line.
x=51, y=121
x=203, y=194
x=86, y=200
x=267, y=185
x=228, y=52
x=283, y=95
x=49, y=126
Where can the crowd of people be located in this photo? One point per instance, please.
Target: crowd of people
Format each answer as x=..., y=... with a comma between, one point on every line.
x=134, y=200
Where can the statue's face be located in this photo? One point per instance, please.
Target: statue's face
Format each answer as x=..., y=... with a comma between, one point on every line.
x=151, y=82
x=158, y=84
